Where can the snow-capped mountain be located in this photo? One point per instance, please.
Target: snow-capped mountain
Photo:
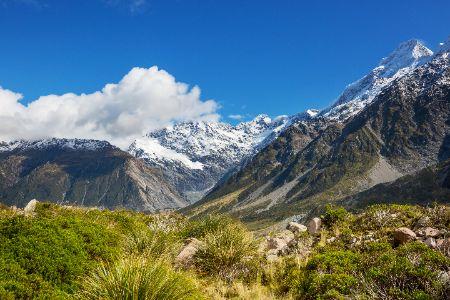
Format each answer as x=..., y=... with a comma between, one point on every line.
x=357, y=95
x=195, y=155
x=81, y=172
x=72, y=144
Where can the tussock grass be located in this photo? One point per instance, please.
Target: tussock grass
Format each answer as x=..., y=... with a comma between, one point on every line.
x=139, y=278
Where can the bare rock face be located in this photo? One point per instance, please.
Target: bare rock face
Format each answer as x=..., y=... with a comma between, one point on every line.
x=186, y=255
x=30, y=208
x=314, y=225
x=296, y=227
x=403, y=235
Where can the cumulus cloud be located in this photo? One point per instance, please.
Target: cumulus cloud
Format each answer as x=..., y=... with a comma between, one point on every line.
x=145, y=99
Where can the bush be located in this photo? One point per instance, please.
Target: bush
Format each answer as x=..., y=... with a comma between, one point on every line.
x=49, y=253
x=334, y=215
x=139, y=278
x=206, y=225
x=229, y=252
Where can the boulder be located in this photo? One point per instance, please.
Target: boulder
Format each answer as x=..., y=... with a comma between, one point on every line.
x=430, y=242
x=431, y=232
x=281, y=241
x=314, y=226
x=30, y=208
x=296, y=227
x=403, y=235
x=185, y=257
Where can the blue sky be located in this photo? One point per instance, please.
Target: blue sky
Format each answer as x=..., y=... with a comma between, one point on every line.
x=275, y=57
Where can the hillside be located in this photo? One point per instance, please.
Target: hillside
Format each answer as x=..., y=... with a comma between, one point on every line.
x=81, y=172
x=49, y=251
x=403, y=129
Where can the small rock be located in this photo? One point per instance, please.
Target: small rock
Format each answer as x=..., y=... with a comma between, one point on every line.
x=276, y=243
x=403, y=235
x=314, y=226
x=272, y=257
x=444, y=277
x=430, y=242
x=187, y=253
x=30, y=208
x=431, y=232
x=331, y=239
x=296, y=227
x=423, y=221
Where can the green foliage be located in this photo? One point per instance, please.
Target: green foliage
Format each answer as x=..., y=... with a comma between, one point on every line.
x=64, y=253
x=49, y=252
x=138, y=278
x=228, y=252
x=334, y=215
x=206, y=225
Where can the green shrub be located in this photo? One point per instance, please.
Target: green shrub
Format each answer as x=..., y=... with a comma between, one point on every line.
x=207, y=224
x=228, y=252
x=333, y=215
x=138, y=278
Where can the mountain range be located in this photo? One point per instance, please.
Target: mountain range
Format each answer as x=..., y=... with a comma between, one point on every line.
x=382, y=132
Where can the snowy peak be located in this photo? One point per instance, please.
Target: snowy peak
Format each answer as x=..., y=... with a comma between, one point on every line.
x=55, y=143
x=408, y=54
x=403, y=60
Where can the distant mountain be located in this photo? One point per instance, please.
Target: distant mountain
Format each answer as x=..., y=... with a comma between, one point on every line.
x=81, y=172
x=195, y=155
x=356, y=96
x=401, y=126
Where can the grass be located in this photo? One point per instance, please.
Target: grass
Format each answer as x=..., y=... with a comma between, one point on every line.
x=74, y=253
x=138, y=278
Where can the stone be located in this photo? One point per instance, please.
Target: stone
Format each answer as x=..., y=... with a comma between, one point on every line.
x=276, y=243
x=30, y=208
x=431, y=232
x=272, y=258
x=423, y=221
x=314, y=226
x=280, y=241
x=331, y=239
x=296, y=227
x=430, y=242
x=186, y=254
x=403, y=235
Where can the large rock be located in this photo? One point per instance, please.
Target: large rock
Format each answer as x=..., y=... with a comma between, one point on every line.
x=314, y=225
x=403, y=235
x=431, y=232
x=185, y=257
x=296, y=227
x=30, y=208
x=281, y=241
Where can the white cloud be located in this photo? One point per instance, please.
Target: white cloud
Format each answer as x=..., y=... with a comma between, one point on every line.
x=236, y=117
x=145, y=99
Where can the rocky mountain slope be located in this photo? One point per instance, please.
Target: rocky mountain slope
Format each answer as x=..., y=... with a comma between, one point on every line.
x=81, y=172
x=404, y=128
x=194, y=155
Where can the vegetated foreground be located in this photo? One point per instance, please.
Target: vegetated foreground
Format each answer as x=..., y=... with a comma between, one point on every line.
x=387, y=251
